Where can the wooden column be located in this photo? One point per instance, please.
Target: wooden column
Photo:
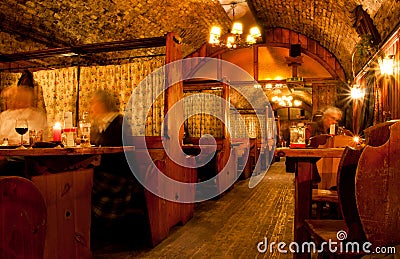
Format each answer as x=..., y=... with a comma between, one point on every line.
x=255, y=56
x=164, y=214
x=227, y=172
x=323, y=95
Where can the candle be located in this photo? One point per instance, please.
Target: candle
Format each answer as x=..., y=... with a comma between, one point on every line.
x=57, y=132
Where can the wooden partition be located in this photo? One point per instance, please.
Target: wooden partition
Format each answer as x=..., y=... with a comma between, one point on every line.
x=248, y=151
x=227, y=170
x=225, y=160
x=163, y=214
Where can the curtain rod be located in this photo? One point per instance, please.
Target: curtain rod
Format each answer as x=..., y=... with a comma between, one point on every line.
x=84, y=49
x=74, y=64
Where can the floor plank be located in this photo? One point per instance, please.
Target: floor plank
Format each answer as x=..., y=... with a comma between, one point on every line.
x=228, y=227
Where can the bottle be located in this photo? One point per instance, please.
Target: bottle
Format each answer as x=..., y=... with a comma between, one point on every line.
x=332, y=129
x=84, y=127
x=69, y=131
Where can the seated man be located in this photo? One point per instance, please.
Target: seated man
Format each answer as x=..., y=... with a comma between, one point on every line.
x=113, y=183
x=330, y=116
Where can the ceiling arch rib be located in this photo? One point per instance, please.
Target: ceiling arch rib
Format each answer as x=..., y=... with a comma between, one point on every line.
x=328, y=23
x=281, y=37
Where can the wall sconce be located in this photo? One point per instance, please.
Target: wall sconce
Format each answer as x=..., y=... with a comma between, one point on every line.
x=356, y=92
x=386, y=65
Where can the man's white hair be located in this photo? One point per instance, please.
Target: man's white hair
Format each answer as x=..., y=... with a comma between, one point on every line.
x=332, y=110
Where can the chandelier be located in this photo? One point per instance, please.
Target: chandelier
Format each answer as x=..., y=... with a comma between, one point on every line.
x=233, y=39
x=286, y=101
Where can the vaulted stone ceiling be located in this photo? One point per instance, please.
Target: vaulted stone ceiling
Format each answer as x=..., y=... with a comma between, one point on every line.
x=27, y=25
x=329, y=22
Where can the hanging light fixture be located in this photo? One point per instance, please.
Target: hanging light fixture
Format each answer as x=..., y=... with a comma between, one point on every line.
x=234, y=39
x=286, y=101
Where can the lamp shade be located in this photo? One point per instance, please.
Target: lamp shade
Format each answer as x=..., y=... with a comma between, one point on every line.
x=215, y=34
x=237, y=28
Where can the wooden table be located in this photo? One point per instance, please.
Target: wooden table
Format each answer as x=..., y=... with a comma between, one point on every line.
x=71, y=151
x=305, y=160
x=64, y=176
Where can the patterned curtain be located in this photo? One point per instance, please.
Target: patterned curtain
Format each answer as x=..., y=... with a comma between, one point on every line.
x=122, y=80
x=252, y=127
x=56, y=90
x=59, y=92
x=204, y=105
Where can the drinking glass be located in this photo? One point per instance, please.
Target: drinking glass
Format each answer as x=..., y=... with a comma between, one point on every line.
x=21, y=127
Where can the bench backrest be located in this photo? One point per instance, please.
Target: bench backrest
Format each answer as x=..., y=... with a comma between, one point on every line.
x=378, y=192
x=23, y=217
x=346, y=191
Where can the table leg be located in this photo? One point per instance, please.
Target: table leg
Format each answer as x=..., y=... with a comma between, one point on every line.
x=303, y=192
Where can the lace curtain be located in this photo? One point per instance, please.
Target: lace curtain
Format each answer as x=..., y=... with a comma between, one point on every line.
x=251, y=127
x=59, y=91
x=122, y=80
x=205, y=123
x=204, y=105
x=56, y=90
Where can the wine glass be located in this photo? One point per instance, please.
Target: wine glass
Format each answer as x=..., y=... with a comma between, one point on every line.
x=21, y=127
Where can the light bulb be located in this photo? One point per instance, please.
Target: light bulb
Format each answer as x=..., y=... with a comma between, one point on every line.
x=215, y=33
x=255, y=32
x=237, y=28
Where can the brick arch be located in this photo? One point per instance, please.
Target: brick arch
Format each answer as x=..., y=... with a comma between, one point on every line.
x=281, y=37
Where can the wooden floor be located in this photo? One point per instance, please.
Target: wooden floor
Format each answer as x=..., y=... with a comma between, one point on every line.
x=228, y=227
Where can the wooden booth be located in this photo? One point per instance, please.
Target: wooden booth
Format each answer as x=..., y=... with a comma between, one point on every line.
x=70, y=89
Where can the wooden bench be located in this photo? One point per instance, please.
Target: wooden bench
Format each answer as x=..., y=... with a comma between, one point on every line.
x=368, y=193
x=249, y=153
x=328, y=171
x=23, y=219
x=378, y=192
x=162, y=214
x=325, y=230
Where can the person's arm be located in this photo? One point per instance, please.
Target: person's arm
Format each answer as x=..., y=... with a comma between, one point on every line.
x=343, y=131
